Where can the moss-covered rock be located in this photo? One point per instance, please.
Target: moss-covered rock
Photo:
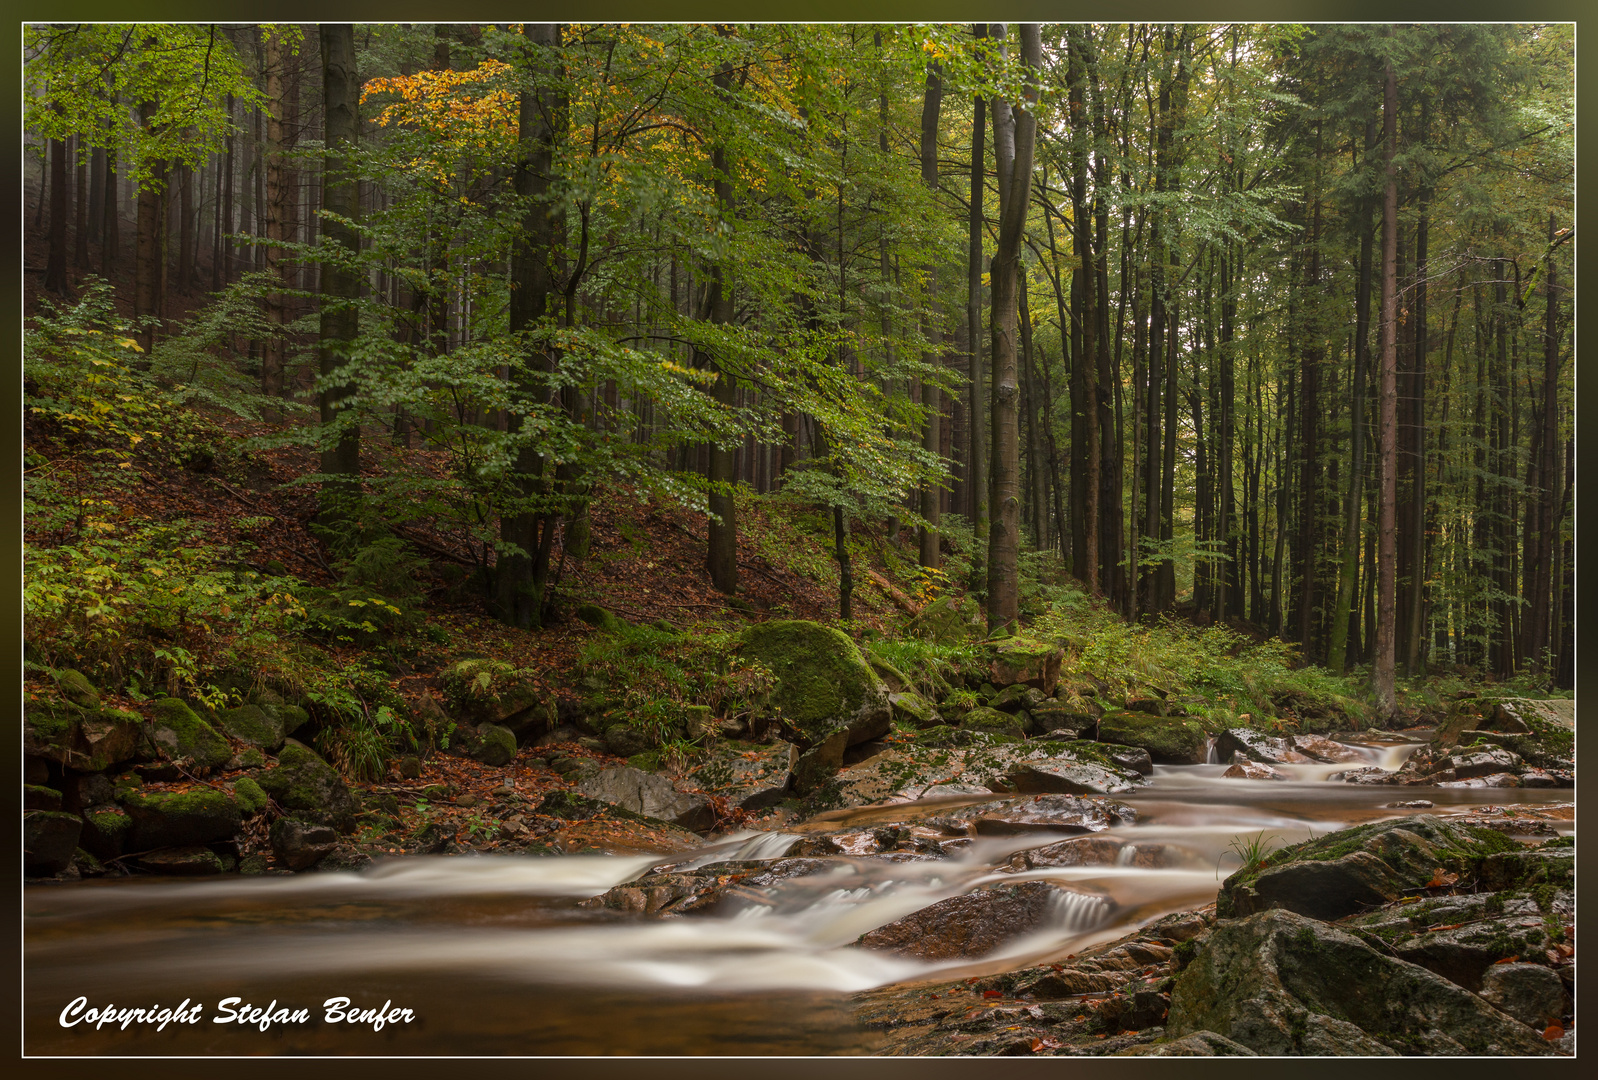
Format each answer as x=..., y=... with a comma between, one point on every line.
x=1169, y=740
x=84, y=740
x=823, y=683
x=257, y=725
x=178, y=819
x=913, y=709
x=76, y=688
x=1280, y=983
x=49, y=839
x=179, y=734
x=600, y=619
x=39, y=797
x=946, y=620
x=308, y=787
x=249, y=795
x=894, y=679
x=1020, y=660
x=1340, y=873
x=482, y=691
x=983, y=718
x=495, y=745
x=299, y=844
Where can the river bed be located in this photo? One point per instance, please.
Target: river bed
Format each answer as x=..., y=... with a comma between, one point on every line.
x=492, y=955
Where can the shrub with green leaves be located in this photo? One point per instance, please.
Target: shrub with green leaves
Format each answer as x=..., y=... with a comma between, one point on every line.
x=151, y=603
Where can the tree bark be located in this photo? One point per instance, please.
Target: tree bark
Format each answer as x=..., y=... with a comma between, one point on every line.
x=977, y=453
x=931, y=496
x=55, y=272
x=526, y=531
x=721, y=556
x=340, y=278
x=1383, y=673
x=1004, y=537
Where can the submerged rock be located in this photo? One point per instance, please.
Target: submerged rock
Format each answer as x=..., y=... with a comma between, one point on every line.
x=1252, y=770
x=1280, y=983
x=976, y=923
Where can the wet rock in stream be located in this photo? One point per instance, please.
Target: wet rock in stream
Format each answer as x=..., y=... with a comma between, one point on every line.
x=977, y=923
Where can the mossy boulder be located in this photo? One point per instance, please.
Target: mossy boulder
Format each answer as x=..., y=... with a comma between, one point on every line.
x=946, y=621
x=1339, y=874
x=913, y=709
x=894, y=679
x=983, y=718
x=482, y=691
x=307, y=787
x=255, y=725
x=49, y=839
x=179, y=734
x=39, y=797
x=250, y=796
x=1281, y=983
x=626, y=741
x=180, y=818
x=76, y=688
x=1025, y=661
x=600, y=619
x=84, y=740
x=494, y=745
x=1169, y=740
x=823, y=683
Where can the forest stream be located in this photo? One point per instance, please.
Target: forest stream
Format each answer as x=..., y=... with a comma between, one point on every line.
x=494, y=955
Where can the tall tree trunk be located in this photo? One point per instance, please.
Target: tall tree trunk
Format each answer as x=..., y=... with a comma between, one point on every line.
x=1383, y=666
x=527, y=533
x=721, y=558
x=340, y=279
x=1414, y=622
x=977, y=453
x=111, y=227
x=55, y=273
x=1542, y=486
x=185, y=228
x=147, y=254
x=1004, y=537
x=931, y=495
x=273, y=348
x=1086, y=312
x=80, y=224
x=1343, y=609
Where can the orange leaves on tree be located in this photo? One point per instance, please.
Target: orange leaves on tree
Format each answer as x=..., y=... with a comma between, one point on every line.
x=467, y=111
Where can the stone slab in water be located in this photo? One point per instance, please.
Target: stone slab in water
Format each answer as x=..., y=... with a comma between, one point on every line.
x=970, y=925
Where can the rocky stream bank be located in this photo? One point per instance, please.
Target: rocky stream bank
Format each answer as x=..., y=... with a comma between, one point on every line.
x=985, y=832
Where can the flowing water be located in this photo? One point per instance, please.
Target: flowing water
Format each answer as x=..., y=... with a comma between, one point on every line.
x=492, y=955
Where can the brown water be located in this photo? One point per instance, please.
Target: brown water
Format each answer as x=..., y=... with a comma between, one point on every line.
x=492, y=956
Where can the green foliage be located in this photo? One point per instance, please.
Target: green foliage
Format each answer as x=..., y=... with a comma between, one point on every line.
x=361, y=716
x=154, y=603
x=1228, y=668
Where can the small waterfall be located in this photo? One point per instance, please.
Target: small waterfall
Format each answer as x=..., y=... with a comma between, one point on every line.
x=1079, y=912
x=1211, y=757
